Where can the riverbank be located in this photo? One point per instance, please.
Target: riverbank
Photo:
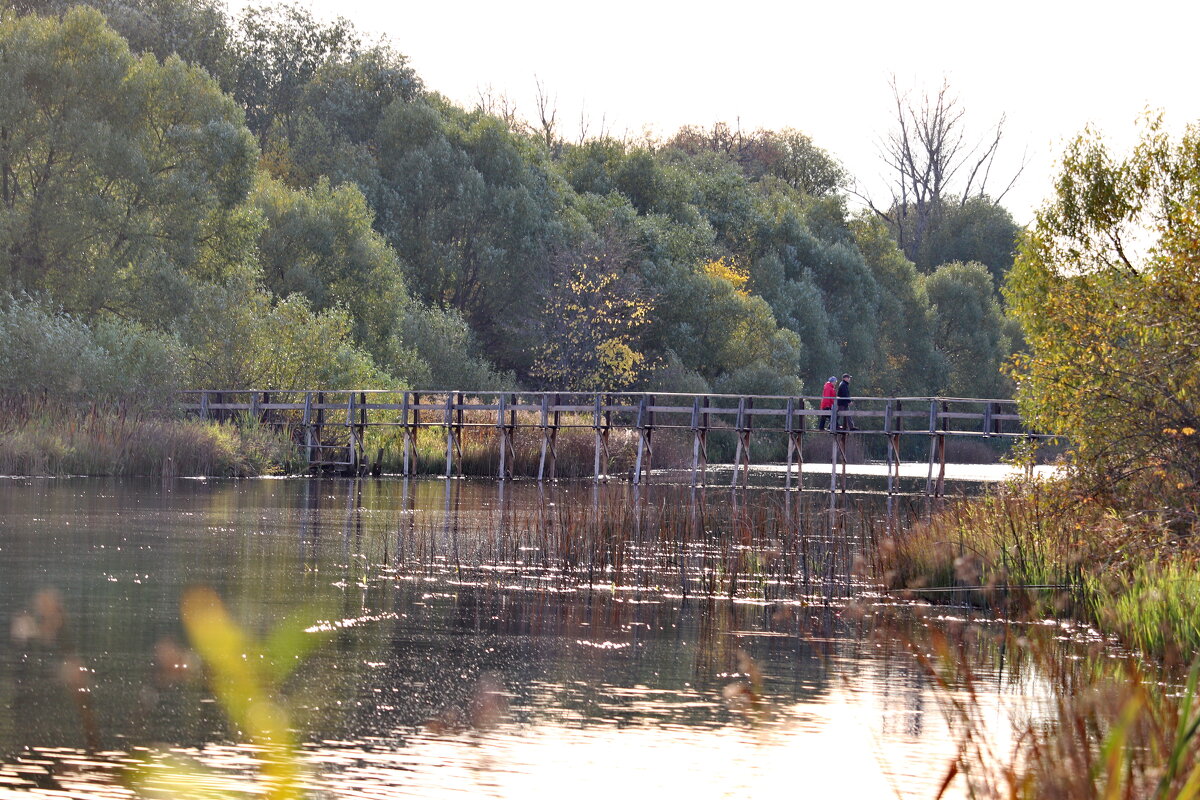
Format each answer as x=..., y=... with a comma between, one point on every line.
x=39, y=437
x=1039, y=548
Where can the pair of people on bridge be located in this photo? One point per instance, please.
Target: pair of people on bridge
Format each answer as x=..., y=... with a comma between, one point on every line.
x=839, y=393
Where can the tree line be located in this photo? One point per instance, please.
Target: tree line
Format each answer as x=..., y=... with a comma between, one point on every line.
x=193, y=199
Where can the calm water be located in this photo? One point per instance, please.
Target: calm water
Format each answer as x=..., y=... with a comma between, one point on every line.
x=477, y=639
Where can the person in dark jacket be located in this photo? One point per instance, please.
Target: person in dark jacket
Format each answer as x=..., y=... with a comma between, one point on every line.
x=843, y=403
x=827, y=396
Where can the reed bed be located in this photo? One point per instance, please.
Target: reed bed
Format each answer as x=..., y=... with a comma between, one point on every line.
x=480, y=444
x=39, y=436
x=773, y=547
x=1105, y=727
x=1038, y=548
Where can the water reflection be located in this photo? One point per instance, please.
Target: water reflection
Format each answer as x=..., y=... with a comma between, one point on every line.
x=506, y=639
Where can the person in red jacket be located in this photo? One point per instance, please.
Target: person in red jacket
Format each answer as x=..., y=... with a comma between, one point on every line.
x=827, y=397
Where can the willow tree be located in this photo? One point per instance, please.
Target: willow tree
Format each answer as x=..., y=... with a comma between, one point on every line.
x=121, y=179
x=1107, y=288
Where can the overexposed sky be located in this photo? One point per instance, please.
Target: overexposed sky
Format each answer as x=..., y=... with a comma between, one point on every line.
x=822, y=68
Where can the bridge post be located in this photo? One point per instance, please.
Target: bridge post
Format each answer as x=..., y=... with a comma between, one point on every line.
x=364, y=458
x=318, y=427
x=306, y=425
x=505, y=443
x=795, y=445
x=204, y=404
x=933, y=423
x=450, y=434
x=700, y=440
x=555, y=418
x=597, y=410
x=645, y=451
x=406, y=444
x=545, y=423
x=352, y=447
x=742, y=455
x=411, y=442
x=941, y=480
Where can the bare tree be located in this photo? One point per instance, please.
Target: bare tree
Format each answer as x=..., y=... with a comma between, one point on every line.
x=498, y=105
x=547, y=115
x=928, y=152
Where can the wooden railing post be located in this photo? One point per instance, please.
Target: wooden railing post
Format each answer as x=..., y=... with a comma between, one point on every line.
x=700, y=440
x=504, y=437
x=741, y=461
x=450, y=434
x=545, y=425
x=306, y=424
x=933, y=423
x=353, y=445
x=599, y=444
x=555, y=418
x=645, y=429
x=416, y=429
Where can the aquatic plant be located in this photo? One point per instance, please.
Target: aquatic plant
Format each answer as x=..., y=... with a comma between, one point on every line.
x=40, y=436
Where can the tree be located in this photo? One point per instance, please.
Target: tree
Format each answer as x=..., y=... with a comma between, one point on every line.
x=240, y=336
x=1107, y=289
x=934, y=167
x=121, y=180
x=977, y=230
x=788, y=155
x=278, y=50
x=320, y=243
x=472, y=213
x=197, y=31
x=592, y=322
x=907, y=363
x=969, y=330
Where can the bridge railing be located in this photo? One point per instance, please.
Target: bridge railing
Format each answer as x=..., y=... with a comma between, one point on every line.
x=330, y=425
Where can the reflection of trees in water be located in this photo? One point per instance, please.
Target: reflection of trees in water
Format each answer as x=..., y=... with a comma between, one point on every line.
x=593, y=605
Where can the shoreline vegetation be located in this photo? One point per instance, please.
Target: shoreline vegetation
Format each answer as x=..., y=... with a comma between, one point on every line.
x=267, y=200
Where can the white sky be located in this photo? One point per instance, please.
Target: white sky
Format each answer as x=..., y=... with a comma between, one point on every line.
x=822, y=68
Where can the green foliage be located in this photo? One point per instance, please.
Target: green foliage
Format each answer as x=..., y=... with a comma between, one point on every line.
x=787, y=155
x=907, y=363
x=975, y=230
x=118, y=177
x=240, y=337
x=470, y=214
x=969, y=330
x=442, y=352
x=154, y=205
x=278, y=50
x=1107, y=289
x=45, y=350
x=320, y=243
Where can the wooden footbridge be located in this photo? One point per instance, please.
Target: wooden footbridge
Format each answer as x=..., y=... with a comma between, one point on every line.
x=330, y=426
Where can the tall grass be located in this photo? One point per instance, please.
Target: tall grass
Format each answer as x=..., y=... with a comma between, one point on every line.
x=670, y=540
x=479, y=439
x=1038, y=548
x=48, y=437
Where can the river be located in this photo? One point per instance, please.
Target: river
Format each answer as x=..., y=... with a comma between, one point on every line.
x=476, y=638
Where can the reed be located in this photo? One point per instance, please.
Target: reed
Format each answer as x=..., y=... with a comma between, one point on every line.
x=478, y=439
x=1114, y=728
x=665, y=540
x=1038, y=548
x=39, y=436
